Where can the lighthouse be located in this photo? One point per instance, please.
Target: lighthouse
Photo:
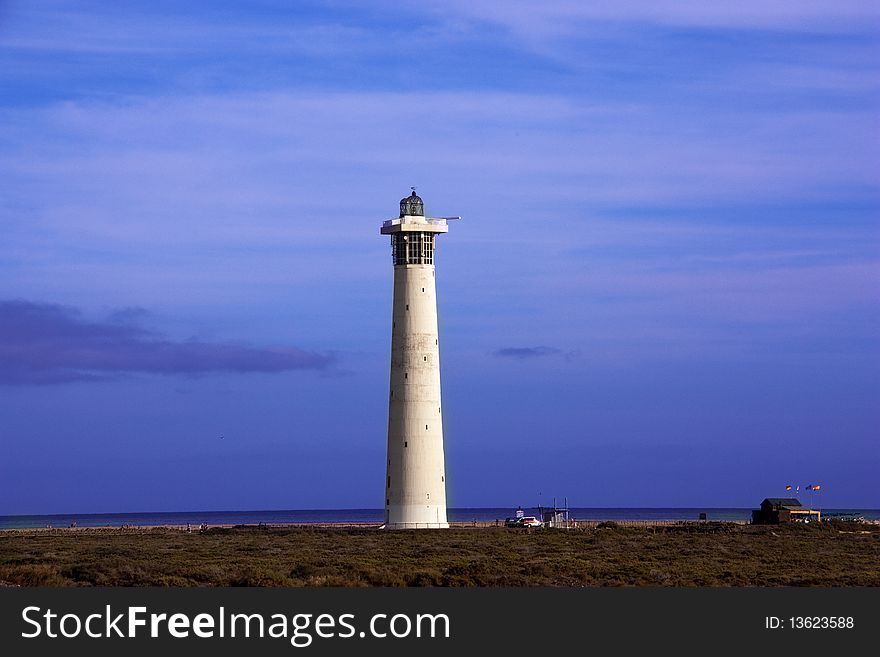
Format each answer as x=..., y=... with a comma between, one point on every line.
x=415, y=479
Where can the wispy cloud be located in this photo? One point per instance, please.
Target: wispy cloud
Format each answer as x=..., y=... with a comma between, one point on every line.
x=101, y=30
x=560, y=17
x=42, y=343
x=218, y=159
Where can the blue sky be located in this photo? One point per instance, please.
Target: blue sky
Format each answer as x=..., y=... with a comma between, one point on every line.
x=664, y=291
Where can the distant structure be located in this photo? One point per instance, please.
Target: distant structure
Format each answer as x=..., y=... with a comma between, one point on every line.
x=556, y=517
x=776, y=510
x=415, y=482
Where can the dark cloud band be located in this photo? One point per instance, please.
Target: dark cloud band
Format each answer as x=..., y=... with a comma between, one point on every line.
x=42, y=343
x=525, y=352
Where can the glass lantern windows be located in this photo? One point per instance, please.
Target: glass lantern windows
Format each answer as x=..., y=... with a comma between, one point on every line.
x=412, y=248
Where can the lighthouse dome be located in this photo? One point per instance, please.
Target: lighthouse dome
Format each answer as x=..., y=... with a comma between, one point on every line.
x=412, y=205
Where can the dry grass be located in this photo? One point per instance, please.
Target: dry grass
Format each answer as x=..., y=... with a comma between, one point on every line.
x=713, y=554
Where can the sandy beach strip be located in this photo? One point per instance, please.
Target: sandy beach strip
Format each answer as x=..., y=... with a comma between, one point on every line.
x=478, y=524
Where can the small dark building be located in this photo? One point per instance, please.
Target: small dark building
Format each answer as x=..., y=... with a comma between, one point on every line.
x=775, y=510
x=556, y=518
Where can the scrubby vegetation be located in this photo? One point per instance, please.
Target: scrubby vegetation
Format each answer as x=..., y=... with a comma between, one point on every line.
x=709, y=554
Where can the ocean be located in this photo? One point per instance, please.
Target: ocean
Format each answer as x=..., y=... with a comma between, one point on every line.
x=370, y=516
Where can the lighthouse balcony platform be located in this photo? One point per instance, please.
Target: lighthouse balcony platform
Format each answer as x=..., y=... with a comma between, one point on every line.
x=414, y=224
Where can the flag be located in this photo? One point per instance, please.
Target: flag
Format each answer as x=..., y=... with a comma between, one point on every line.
x=810, y=487
x=817, y=487
x=797, y=489
x=788, y=488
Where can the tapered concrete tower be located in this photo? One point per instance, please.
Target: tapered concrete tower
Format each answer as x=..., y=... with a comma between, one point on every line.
x=415, y=482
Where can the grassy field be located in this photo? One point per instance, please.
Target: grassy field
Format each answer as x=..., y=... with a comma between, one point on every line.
x=713, y=554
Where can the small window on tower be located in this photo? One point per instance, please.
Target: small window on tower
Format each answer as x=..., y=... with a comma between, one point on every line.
x=442, y=478
x=406, y=375
x=426, y=359
x=407, y=306
x=423, y=289
x=426, y=427
x=387, y=501
x=389, y=481
x=405, y=443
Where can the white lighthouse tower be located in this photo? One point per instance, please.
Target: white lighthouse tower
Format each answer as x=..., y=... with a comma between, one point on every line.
x=415, y=482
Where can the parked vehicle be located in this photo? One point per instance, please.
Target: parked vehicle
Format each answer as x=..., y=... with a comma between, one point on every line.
x=524, y=521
